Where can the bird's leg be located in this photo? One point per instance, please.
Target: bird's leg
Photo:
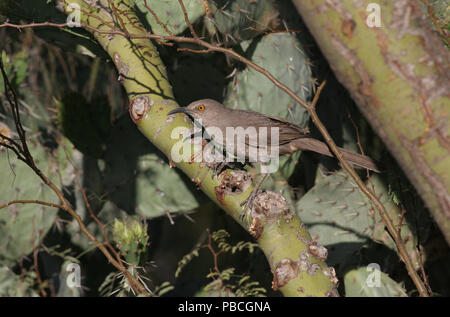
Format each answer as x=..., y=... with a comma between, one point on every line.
x=249, y=201
x=214, y=165
x=216, y=157
x=217, y=168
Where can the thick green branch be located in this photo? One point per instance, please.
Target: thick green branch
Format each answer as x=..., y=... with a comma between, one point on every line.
x=398, y=74
x=298, y=271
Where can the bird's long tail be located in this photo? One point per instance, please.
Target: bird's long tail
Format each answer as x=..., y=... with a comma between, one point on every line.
x=309, y=144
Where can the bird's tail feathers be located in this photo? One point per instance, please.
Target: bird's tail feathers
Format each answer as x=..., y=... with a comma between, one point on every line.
x=314, y=145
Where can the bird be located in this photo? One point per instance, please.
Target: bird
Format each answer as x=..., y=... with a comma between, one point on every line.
x=217, y=120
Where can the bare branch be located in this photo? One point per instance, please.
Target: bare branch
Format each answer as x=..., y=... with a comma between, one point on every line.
x=186, y=18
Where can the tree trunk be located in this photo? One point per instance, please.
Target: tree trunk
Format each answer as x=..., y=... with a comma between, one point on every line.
x=398, y=74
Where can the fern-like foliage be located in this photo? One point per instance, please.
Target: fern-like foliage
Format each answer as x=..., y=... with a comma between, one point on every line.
x=224, y=282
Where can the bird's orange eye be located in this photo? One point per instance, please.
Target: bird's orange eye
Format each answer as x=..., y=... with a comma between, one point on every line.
x=201, y=107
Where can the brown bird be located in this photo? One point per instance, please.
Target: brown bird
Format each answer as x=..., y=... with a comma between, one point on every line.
x=213, y=116
x=292, y=137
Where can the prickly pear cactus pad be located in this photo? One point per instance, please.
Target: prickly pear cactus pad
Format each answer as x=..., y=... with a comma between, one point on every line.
x=371, y=282
x=242, y=19
x=16, y=68
x=338, y=215
x=343, y=220
x=22, y=226
x=17, y=286
x=282, y=56
x=138, y=178
x=170, y=14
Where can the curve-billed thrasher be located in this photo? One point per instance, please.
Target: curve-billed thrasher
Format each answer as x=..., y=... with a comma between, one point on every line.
x=291, y=137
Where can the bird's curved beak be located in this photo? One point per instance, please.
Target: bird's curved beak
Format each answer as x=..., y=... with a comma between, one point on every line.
x=181, y=110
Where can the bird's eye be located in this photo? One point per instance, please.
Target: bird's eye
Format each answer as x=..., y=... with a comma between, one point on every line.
x=201, y=107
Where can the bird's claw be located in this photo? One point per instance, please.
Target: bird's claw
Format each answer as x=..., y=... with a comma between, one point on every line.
x=251, y=198
x=247, y=204
x=216, y=169
x=244, y=211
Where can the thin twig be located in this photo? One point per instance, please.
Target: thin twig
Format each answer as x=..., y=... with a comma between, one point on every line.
x=186, y=18
x=36, y=269
x=30, y=201
x=119, y=17
x=91, y=212
x=433, y=18
x=157, y=19
x=319, y=91
x=422, y=270
x=185, y=49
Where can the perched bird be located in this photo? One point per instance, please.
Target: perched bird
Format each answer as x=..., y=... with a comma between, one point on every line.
x=289, y=137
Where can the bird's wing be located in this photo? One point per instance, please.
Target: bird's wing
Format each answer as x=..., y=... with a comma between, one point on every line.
x=288, y=131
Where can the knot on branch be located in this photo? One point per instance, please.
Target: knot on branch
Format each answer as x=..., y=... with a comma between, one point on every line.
x=270, y=205
x=285, y=271
x=233, y=183
x=139, y=107
x=318, y=251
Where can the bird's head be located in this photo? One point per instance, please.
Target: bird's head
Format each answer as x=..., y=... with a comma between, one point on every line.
x=207, y=111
